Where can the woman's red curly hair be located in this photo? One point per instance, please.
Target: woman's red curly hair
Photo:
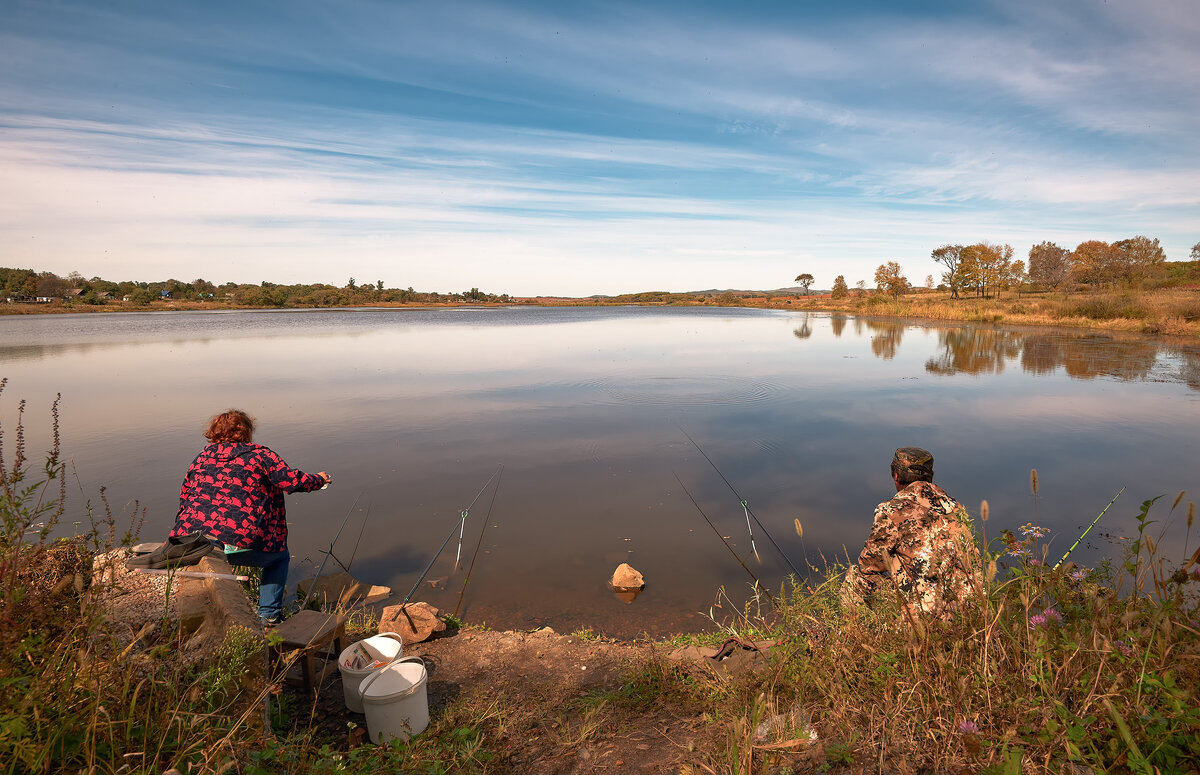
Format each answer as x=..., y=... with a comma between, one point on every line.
x=231, y=427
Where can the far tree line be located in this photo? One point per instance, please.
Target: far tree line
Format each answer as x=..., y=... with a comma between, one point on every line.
x=26, y=284
x=986, y=269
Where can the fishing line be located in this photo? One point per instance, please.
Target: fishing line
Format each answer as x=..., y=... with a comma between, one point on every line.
x=361, y=530
x=313, y=584
x=758, y=584
x=462, y=516
x=478, y=543
x=741, y=500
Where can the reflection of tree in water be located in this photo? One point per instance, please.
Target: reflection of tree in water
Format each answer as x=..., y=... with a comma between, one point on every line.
x=974, y=351
x=1089, y=356
x=886, y=337
x=1189, y=372
x=804, y=330
x=838, y=323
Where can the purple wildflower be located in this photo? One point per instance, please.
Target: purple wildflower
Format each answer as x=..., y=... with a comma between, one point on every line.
x=968, y=727
x=1080, y=574
x=1035, y=561
x=1124, y=648
x=1053, y=614
x=1037, y=620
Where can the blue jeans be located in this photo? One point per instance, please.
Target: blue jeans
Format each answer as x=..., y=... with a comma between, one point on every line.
x=274, y=577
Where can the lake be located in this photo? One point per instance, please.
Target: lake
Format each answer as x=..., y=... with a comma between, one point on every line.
x=583, y=412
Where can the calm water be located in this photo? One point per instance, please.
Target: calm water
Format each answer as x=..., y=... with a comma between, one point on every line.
x=413, y=410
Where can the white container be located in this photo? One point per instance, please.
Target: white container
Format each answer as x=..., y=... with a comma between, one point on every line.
x=384, y=647
x=395, y=700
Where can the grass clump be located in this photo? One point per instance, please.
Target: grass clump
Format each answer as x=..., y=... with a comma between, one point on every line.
x=1049, y=667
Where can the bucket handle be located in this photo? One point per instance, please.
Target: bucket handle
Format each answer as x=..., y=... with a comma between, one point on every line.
x=362, y=687
x=392, y=635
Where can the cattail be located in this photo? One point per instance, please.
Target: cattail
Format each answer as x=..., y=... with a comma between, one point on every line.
x=1033, y=480
x=1178, y=498
x=799, y=529
x=1191, y=513
x=983, y=511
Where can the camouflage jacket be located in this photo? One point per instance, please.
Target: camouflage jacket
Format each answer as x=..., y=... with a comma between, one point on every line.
x=921, y=545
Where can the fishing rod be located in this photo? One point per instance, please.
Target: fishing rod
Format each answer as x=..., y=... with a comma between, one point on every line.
x=758, y=584
x=478, y=543
x=462, y=516
x=745, y=505
x=313, y=584
x=1088, y=530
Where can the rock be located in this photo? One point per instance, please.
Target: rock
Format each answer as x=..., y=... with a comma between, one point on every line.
x=413, y=622
x=340, y=590
x=626, y=579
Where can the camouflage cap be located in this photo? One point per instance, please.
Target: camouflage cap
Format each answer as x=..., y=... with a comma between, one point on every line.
x=914, y=460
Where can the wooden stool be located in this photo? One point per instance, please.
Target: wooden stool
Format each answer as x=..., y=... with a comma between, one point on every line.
x=310, y=631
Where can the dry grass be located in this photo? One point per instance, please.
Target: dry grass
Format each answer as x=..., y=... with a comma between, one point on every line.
x=1165, y=311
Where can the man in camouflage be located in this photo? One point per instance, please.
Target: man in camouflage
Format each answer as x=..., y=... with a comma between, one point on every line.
x=921, y=545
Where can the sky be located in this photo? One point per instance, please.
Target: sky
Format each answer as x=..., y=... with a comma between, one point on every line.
x=551, y=148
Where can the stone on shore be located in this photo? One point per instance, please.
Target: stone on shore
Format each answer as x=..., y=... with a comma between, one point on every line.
x=626, y=579
x=340, y=590
x=413, y=622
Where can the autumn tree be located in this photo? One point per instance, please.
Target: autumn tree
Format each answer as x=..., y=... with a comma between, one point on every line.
x=1014, y=276
x=1049, y=265
x=805, y=280
x=1097, y=262
x=950, y=256
x=1140, y=257
x=840, y=291
x=1196, y=252
x=890, y=279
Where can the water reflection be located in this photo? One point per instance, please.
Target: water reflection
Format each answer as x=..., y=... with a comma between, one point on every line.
x=1080, y=356
x=885, y=337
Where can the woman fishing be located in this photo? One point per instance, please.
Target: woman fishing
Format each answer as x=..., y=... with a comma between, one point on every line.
x=233, y=493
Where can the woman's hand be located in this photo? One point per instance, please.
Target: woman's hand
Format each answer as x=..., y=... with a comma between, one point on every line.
x=328, y=479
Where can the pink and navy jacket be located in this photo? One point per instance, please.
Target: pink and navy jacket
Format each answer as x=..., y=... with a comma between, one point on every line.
x=234, y=493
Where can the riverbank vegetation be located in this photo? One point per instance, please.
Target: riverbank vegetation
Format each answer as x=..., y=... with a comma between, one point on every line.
x=1049, y=668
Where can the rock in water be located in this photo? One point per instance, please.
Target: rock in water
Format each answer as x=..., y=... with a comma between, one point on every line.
x=626, y=579
x=341, y=590
x=413, y=622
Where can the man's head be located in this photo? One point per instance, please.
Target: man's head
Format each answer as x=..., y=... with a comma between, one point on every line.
x=911, y=464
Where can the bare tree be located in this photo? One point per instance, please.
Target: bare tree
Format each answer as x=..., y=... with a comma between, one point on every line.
x=1049, y=265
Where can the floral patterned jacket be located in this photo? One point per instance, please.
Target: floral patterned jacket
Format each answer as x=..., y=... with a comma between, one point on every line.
x=234, y=493
x=921, y=544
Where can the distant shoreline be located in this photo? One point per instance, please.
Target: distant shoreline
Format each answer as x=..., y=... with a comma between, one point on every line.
x=1173, y=313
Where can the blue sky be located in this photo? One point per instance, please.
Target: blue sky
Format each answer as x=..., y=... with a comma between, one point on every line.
x=578, y=148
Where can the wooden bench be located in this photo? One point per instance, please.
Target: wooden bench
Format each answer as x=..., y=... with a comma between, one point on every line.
x=311, y=633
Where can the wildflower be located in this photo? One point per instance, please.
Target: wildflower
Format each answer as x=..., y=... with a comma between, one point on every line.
x=968, y=727
x=1080, y=574
x=1030, y=530
x=1037, y=620
x=1035, y=561
x=1053, y=614
x=1124, y=648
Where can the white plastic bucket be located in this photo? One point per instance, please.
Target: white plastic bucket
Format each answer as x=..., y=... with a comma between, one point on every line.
x=385, y=647
x=395, y=700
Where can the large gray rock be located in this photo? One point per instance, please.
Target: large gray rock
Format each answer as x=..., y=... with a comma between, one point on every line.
x=413, y=622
